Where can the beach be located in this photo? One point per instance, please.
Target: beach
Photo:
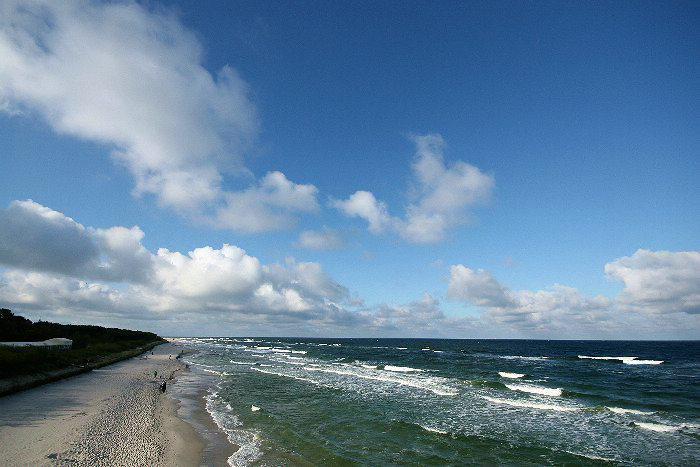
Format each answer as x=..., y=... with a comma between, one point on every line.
x=115, y=415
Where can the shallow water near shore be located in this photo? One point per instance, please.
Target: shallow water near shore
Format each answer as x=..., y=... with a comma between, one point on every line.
x=419, y=401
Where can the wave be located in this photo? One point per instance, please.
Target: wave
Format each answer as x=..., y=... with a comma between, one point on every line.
x=248, y=442
x=487, y=384
x=620, y=410
x=400, y=369
x=511, y=375
x=521, y=357
x=530, y=405
x=254, y=408
x=535, y=389
x=239, y=363
x=433, y=430
x=415, y=383
x=401, y=348
x=267, y=372
x=303, y=352
x=658, y=427
x=625, y=360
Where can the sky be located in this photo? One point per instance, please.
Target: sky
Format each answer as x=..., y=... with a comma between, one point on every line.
x=353, y=169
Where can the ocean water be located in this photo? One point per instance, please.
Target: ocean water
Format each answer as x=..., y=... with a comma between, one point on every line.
x=435, y=402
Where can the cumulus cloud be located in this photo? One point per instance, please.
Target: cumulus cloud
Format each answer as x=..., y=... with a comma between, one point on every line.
x=555, y=308
x=661, y=296
x=324, y=239
x=658, y=281
x=265, y=206
x=60, y=265
x=442, y=196
x=132, y=78
x=38, y=238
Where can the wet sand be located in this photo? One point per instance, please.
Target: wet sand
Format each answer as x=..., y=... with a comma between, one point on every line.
x=114, y=415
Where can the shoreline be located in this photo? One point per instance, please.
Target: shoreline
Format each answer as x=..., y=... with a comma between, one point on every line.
x=188, y=394
x=112, y=415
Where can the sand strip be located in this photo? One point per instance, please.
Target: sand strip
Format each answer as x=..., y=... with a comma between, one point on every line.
x=115, y=415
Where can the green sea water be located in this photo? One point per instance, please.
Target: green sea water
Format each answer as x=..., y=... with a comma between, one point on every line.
x=452, y=402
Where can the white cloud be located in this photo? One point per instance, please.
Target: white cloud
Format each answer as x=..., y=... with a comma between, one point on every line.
x=38, y=238
x=442, y=196
x=661, y=298
x=265, y=206
x=557, y=308
x=132, y=78
x=364, y=205
x=324, y=239
x=658, y=281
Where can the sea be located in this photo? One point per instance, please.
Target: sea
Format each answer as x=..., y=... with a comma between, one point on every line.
x=294, y=401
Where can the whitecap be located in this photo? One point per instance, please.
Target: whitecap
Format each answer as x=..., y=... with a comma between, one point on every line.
x=433, y=430
x=658, y=427
x=530, y=405
x=401, y=348
x=254, y=408
x=411, y=382
x=299, y=351
x=520, y=357
x=620, y=410
x=400, y=369
x=535, y=389
x=285, y=375
x=510, y=375
x=626, y=360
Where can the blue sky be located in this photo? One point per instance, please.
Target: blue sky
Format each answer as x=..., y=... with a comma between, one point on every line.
x=459, y=169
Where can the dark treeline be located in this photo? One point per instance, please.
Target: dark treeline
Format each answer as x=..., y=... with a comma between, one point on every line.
x=92, y=345
x=15, y=328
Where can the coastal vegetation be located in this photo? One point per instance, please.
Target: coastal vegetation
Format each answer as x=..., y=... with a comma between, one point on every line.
x=93, y=346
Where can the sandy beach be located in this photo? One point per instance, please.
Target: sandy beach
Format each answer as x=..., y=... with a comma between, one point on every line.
x=114, y=415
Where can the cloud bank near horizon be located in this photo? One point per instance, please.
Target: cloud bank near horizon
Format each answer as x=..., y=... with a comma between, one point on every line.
x=69, y=271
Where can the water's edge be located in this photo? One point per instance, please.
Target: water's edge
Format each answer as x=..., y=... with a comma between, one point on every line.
x=190, y=390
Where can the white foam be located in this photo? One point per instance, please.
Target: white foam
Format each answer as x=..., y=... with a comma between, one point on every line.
x=369, y=367
x=254, y=408
x=535, y=389
x=425, y=348
x=530, y=405
x=281, y=350
x=239, y=363
x=299, y=351
x=402, y=348
x=419, y=384
x=433, y=430
x=658, y=427
x=400, y=369
x=520, y=357
x=625, y=360
x=285, y=375
x=625, y=411
x=510, y=375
